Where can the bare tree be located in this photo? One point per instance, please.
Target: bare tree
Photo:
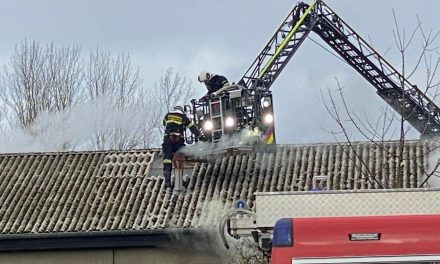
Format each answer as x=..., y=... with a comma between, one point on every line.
x=54, y=86
x=111, y=76
x=133, y=126
x=246, y=251
x=114, y=80
x=62, y=75
x=59, y=82
x=2, y=118
x=39, y=79
x=22, y=88
x=170, y=90
x=150, y=134
x=389, y=125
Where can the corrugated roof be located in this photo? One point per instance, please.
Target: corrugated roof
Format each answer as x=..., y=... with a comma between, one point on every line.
x=120, y=190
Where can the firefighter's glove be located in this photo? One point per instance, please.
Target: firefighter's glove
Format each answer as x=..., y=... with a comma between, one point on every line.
x=206, y=97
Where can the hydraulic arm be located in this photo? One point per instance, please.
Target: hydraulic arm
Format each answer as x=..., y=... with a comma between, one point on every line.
x=405, y=98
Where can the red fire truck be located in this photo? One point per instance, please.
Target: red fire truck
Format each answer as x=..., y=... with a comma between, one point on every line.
x=364, y=239
x=365, y=226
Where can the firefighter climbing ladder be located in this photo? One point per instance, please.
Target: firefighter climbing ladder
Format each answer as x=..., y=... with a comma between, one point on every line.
x=405, y=98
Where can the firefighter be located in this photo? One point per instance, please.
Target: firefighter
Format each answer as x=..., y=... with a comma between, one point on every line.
x=175, y=123
x=213, y=82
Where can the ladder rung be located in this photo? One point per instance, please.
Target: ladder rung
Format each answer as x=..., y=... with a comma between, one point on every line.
x=393, y=73
x=291, y=46
x=300, y=30
x=268, y=54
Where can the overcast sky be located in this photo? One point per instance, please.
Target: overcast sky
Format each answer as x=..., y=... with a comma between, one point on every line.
x=223, y=37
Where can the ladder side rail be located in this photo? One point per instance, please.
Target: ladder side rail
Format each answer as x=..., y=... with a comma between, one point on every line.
x=290, y=45
x=215, y=116
x=276, y=67
x=280, y=52
x=222, y=121
x=342, y=26
x=394, y=75
x=255, y=68
x=386, y=67
x=387, y=89
x=330, y=35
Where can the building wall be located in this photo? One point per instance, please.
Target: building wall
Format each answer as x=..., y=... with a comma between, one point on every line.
x=109, y=256
x=159, y=256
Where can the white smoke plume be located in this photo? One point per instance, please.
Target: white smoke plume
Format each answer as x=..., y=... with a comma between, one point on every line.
x=78, y=127
x=245, y=140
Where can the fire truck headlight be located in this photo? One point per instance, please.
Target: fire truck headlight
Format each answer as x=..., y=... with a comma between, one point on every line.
x=268, y=118
x=229, y=122
x=266, y=103
x=207, y=126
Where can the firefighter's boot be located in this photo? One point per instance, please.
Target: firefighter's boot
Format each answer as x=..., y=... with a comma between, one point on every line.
x=167, y=175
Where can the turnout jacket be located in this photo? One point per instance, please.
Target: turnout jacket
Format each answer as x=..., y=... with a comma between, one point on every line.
x=176, y=123
x=216, y=83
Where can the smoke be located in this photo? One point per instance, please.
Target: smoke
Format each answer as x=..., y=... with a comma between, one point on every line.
x=204, y=237
x=78, y=127
x=196, y=241
x=244, y=140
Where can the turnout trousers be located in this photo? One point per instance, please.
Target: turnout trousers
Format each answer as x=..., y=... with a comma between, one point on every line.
x=171, y=144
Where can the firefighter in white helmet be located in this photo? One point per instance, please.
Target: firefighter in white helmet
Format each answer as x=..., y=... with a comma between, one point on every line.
x=213, y=82
x=175, y=123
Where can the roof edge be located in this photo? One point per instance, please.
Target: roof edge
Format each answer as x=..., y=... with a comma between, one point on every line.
x=95, y=239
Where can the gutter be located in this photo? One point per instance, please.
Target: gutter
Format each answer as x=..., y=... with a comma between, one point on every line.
x=101, y=239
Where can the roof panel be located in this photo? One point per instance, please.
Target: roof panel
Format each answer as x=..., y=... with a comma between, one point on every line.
x=116, y=190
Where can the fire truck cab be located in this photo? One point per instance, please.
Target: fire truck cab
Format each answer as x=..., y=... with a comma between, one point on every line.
x=364, y=239
x=363, y=226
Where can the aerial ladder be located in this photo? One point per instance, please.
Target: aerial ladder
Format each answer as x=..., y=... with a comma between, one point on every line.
x=405, y=98
x=248, y=105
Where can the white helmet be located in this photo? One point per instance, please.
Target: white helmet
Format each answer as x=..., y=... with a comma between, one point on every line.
x=179, y=107
x=204, y=76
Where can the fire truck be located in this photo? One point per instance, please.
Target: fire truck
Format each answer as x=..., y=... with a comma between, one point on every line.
x=368, y=226
x=246, y=108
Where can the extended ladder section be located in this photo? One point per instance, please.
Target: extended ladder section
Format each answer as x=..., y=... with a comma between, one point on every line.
x=281, y=47
x=405, y=98
x=410, y=102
